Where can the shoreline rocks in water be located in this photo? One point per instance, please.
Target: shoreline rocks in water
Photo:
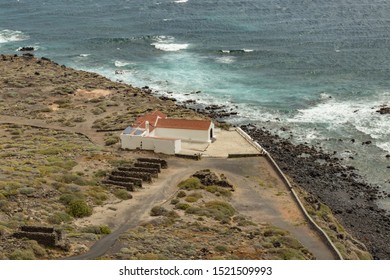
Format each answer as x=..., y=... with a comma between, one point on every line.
x=384, y=110
x=351, y=199
x=213, y=111
x=26, y=49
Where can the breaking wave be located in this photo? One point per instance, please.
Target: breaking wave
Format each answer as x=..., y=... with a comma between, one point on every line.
x=167, y=44
x=7, y=36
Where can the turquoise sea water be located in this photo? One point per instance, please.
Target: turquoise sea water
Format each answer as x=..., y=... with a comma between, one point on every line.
x=318, y=68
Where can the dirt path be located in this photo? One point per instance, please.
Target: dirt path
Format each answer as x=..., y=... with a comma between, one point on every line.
x=82, y=128
x=259, y=194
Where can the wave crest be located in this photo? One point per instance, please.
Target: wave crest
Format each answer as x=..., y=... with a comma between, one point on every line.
x=7, y=35
x=167, y=44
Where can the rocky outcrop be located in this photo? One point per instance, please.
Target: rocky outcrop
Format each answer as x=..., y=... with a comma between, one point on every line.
x=209, y=178
x=26, y=49
x=384, y=110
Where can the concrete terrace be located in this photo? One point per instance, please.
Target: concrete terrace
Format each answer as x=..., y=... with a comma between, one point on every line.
x=227, y=142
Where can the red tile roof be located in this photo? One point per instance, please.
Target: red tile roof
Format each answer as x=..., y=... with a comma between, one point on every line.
x=151, y=118
x=183, y=124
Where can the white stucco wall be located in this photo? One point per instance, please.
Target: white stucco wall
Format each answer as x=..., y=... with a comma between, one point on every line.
x=185, y=134
x=130, y=142
x=169, y=147
x=166, y=146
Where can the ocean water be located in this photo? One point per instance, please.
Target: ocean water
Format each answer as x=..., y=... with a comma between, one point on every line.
x=320, y=69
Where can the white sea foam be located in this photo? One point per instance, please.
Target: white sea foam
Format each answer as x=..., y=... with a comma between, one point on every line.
x=84, y=54
x=324, y=96
x=361, y=115
x=384, y=146
x=168, y=44
x=170, y=47
x=35, y=48
x=119, y=63
x=226, y=59
x=7, y=36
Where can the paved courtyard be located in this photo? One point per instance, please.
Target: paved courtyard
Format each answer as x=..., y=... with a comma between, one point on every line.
x=227, y=142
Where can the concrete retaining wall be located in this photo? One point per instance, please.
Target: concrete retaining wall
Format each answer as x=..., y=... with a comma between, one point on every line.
x=250, y=140
x=243, y=155
x=316, y=227
x=321, y=232
x=194, y=157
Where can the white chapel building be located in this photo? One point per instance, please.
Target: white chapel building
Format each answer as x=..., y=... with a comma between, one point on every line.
x=160, y=134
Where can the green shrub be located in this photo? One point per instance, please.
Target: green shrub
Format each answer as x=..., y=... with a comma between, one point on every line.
x=51, y=151
x=194, y=197
x=123, y=194
x=181, y=194
x=218, y=190
x=221, y=206
x=221, y=248
x=192, y=183
x=97, y=195
x=175, y=201
x=3, y=230
x=38, y=250
x=27, y=191
x=273, y=231
x=4, y=206
x=242, y=221
x=79, y=119
x=97, y=110
x=79, y=208
x=67, y=198
x=73, y=178
x=59, y=218
x=104, y=229
x=197, y=211
x=158, y=211
x=172, y=214
x=22, y=255
x=218, y=210
x=100, y=173
x=111, y=140
x=182, y=206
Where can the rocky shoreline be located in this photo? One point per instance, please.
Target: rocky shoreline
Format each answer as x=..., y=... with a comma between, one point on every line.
x=352, y=200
